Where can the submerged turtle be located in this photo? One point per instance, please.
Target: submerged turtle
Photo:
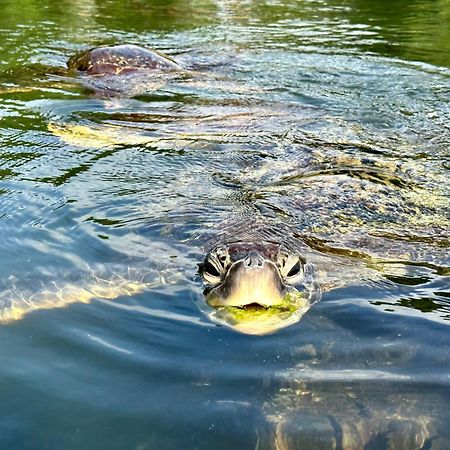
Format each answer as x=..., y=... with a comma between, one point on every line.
x=355, y=414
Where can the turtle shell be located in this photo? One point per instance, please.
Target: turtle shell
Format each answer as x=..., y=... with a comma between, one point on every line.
x=117, y=59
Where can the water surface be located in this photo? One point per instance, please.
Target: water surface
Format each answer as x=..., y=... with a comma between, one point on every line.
x=324, y=123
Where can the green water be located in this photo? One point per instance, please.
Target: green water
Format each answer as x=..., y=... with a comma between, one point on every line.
x=323, y=124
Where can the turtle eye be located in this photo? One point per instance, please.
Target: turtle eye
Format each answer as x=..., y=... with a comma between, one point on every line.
x=295, y=270
x=290, y=265
x=215, y=265
x=210, y=269
x=211, y=273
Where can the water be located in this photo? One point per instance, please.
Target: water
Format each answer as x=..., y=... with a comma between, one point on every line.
x=321, y=123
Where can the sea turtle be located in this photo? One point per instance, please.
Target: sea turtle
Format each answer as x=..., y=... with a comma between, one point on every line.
x=121, y=59
x=125, y=69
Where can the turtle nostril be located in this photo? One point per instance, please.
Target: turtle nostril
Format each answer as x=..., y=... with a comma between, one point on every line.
x=253, y=260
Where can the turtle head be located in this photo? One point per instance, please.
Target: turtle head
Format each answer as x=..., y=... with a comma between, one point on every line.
x=242, y=274
x=253, y=287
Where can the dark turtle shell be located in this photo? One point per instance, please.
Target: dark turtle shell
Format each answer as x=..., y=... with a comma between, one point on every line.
x=118, y=59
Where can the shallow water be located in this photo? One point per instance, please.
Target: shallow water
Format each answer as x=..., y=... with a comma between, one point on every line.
x=323, y=123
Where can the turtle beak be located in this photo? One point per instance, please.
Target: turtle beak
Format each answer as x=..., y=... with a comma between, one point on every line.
x=252, y=280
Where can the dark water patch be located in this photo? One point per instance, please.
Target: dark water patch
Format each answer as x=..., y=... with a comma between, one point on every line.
x=423, y=304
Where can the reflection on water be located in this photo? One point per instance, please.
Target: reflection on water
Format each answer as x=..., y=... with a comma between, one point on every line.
x=323, y=125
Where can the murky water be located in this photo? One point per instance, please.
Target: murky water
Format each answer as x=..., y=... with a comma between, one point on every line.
x=320, y=123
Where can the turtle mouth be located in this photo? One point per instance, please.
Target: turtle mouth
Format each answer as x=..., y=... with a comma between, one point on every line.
x=254, y=310
x=254, y=318
x=252, y=307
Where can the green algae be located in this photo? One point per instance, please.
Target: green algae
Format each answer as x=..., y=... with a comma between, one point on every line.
x=291, y=303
